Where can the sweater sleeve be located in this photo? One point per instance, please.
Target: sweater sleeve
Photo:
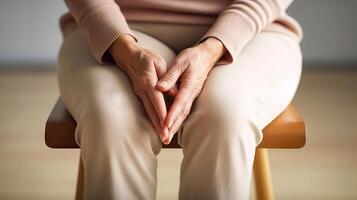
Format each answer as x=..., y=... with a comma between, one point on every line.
x=237, y=24
x=101, y=21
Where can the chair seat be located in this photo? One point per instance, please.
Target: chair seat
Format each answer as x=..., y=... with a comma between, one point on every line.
x=285, y=131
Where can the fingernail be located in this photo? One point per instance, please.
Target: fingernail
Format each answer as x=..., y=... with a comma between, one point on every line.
x=167, y=141
x=163, y=84
x=162, y=138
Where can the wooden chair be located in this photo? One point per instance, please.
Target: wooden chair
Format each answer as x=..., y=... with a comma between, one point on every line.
x=285, y=131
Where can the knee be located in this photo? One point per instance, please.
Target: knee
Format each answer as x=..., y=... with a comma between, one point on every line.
x=232, y=114
x=113, y=122
x=223, y=107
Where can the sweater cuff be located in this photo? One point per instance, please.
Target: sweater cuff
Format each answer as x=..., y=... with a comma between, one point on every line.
x=234, y=31
x=102, y=28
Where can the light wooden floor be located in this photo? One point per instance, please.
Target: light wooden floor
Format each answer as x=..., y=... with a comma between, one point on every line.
x=325, y=169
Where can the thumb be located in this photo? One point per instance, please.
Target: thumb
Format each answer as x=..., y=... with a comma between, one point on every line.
x=169, y=79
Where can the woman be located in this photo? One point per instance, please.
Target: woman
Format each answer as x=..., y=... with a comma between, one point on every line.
x=230, y=67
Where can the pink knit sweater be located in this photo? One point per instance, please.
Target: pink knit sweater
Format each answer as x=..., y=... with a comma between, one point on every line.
x=233, y=22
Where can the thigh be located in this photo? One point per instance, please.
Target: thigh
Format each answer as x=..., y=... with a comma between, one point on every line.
x=87, y=86
x=177, y=36
x=260, y=83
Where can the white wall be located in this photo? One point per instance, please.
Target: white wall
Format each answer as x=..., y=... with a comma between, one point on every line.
x=29, y=32
x=330, y=28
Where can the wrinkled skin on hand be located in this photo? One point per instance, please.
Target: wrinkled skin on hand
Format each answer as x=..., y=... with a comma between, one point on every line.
x=145, y=68
x=190, y=68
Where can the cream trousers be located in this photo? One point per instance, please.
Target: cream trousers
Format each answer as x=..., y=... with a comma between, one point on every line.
x=119, y=145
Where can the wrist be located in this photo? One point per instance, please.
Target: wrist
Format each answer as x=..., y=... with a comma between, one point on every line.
x=123, y=42
x=122, y=49
x=214, y=48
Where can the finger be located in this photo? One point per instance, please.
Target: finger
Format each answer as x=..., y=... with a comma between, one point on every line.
x=157, y=100
x=173, y=91
x=182, y=97
x=169, y=79
x=161, y=69
x=178, y=122
x=151, y=113
x=162, y=132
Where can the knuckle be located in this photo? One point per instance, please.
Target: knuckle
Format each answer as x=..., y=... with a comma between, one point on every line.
x=182, y=65
x=161, y=61
x=196, y=88
x=161, y=67
x=147, y=79
x=185, y=112
x=170, y=76
x=149, y=109
x=143, y=56
x=192, y=83
x=148, y=85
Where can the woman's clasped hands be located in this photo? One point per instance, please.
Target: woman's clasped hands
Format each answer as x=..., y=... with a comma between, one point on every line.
x=151, y=77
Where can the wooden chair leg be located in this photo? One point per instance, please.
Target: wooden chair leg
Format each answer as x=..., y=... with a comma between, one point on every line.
x=263, y=184
x=80, y=181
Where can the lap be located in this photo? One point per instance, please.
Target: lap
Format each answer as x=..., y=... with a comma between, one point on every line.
x=262, y=81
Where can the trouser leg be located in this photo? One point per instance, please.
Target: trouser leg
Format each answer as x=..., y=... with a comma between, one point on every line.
x=118, y=143
x=225, y=125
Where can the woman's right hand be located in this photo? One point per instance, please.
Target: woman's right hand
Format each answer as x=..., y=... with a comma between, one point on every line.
x=144, y=69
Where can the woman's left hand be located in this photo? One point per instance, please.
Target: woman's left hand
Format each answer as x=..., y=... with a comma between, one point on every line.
x=191, y=68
